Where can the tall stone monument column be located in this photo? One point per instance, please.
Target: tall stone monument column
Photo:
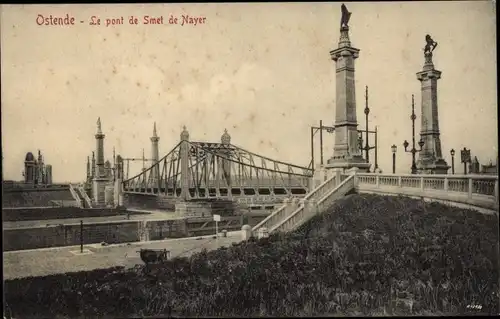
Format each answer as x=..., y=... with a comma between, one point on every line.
x=100, y=180
x=346, y=151
x=184, y=155
x=118, y=187
x=225, y=171
x=430, y=160
x=155, y=154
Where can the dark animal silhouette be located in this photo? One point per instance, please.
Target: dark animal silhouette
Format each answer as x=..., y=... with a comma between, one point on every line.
x=346, y=15
x=431, y=44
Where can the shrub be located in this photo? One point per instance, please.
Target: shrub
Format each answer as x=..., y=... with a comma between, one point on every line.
x=362, y=257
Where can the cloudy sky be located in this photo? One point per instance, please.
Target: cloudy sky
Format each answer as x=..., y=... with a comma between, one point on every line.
x=261, y=70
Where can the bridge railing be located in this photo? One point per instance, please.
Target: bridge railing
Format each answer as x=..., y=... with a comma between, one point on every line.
x=465, y=186
x=290, y=205
x=310, y=207
x=237, y=182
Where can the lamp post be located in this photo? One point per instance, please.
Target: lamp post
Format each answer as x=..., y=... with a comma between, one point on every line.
x=367, y=111
x=452, y=153
x=331, y=129
x=367, y=146
x=394, y=148
x=465, y=158
x=314, y=130
x=413, y=150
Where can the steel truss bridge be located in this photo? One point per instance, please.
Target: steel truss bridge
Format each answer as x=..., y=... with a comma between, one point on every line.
x=198, y=170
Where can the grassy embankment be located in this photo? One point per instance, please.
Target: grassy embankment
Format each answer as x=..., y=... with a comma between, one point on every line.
x=368, y=254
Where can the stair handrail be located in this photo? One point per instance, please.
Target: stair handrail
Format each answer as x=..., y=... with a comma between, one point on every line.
x=86, y=197
x=75, y=195
x=321, y=200
x=284, y=206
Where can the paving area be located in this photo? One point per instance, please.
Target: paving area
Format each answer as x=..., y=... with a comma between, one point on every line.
x=47, y=261
x=152, y=215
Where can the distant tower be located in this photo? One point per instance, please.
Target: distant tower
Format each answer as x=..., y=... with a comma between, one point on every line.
x=48, y=174
x=225, y=171
x=118, y=191
x=474, y=166
x=99, y=137
x=155, y=156
x=184, y=155
x=430, y=160
x=40, y=169
x=113, y=169
x=93, y=165
x=100, y=179
x=29, y=168
x=88, y=170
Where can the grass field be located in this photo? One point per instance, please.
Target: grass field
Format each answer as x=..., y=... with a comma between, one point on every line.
x=368, y=255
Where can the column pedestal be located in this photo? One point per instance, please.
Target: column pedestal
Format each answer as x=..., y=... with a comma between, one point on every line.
x=98, y=192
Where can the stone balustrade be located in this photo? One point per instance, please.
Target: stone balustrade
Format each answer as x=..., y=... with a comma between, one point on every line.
x=474, y=190
x=477, y=190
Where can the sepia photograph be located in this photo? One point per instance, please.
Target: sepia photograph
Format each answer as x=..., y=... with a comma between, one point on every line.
x=281, y=159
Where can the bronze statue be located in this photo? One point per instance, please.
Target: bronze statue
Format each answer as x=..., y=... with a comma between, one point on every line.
x=431, y=44
x=346, y=15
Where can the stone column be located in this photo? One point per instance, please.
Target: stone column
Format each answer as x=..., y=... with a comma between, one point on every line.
x=100, y=180
x=89, y=177
x=346, y=152
x=184, y=164
x=155, y=157
x=93, y=167
x=99, y=137
x=226, y=164
x=430, y=160
x=118, y=189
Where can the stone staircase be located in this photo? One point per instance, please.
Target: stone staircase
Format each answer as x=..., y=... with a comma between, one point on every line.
x=296, y=212
x=86, y=199
x=76, y=196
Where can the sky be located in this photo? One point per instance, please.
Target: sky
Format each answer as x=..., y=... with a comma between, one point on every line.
x=260, y=70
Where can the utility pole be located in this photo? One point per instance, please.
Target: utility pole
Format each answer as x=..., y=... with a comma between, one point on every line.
x=367, y=146
x=81, y=236
x=413, y=150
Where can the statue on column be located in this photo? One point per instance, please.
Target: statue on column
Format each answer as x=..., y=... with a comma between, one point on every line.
x=346, y=15
x=430, y=46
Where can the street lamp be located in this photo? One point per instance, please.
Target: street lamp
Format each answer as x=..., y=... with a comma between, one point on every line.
x=452, y=152
x=465, y=158
x=331, y=129
x=367, y=146
x=394, y=148
x=413, y=150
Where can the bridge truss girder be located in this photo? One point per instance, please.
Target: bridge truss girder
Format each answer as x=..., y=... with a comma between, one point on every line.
x=196, y=170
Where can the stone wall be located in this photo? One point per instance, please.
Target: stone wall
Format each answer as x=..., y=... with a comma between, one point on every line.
x=22, y=214
x=118, y=232
x=69, y=235
x=162, y=229
x=205, y=208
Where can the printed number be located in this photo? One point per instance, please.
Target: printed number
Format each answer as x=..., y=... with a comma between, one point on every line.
x=478, y=307
x=95, y=20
